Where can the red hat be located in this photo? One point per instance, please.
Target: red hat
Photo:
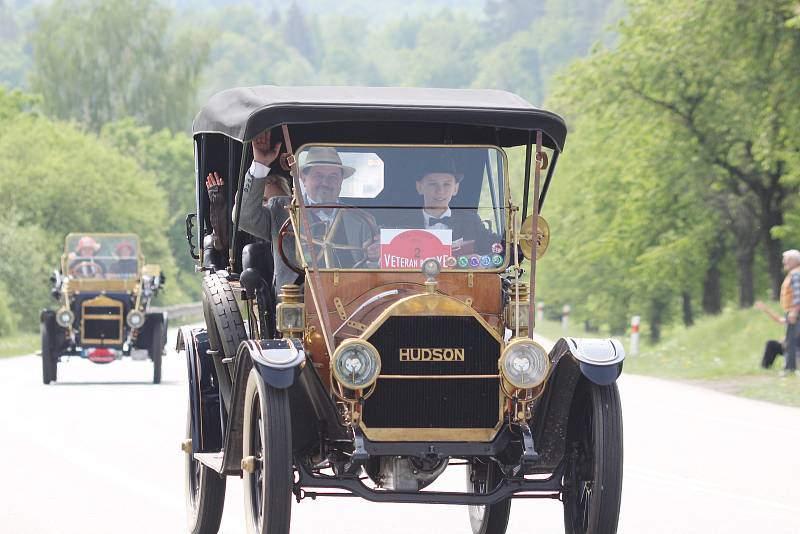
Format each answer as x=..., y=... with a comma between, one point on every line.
x=124, y=246
x=87, y=242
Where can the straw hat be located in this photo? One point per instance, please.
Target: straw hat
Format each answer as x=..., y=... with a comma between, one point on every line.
x=325, y=155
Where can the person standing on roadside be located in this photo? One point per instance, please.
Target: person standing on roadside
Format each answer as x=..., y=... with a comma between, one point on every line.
x=790, y=301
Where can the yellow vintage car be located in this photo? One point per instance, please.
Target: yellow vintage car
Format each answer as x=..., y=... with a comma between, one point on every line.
x=103, y=289
x=369, y=273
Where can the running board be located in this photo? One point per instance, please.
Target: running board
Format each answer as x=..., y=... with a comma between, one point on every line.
x=212, y=460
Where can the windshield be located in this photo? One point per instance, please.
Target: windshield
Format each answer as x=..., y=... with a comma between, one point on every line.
x=390, y=207
x=101, y=256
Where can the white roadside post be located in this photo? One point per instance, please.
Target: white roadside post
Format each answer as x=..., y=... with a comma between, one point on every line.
x=539, y=311
x=565, y=317
x=635, y=335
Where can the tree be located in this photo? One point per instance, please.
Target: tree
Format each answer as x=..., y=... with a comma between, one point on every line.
x=513, y=65
x=98, y=61
x=736, y=107
x=506, y=17
x=55, y=179
x=299, y=34
x=168, y=160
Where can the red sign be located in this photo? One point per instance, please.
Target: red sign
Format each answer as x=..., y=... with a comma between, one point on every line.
x=407, y=249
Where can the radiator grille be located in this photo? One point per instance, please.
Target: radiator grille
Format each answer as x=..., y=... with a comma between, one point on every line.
x=102, y=321
x=422, y=402
x=95, y=330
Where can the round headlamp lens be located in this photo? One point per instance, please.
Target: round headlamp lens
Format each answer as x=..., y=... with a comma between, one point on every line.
x=135, y=319
x=64, y=318
x=525, y=364
x=356, y=365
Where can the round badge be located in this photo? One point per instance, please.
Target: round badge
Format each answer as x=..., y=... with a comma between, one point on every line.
x=463, y=261
x=497, y=248
x=474, y=261
x=486, y=261
x=451, y=261
x=497, y=260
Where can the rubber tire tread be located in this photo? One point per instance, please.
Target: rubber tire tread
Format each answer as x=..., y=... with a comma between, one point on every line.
x=223, y=318
x=49, y=359
x=157, y=350
x=495, y=519
x=276, y=417
x=604, y=514
x=212, y=496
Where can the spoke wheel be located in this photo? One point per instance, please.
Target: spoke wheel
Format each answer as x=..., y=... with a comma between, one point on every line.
x=593, y=470
x=267, y=439
x=205, y=493
x=489, y=519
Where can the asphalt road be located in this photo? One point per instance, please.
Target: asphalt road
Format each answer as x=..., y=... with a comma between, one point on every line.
x=98, y=452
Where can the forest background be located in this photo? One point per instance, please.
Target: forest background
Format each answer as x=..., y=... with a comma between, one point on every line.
x=676, y=193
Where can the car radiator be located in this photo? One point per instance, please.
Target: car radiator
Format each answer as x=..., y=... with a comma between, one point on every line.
x=436, y=372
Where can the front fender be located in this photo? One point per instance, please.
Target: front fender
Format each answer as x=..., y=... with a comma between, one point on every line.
x=572, y=359
x=599, y=360
x=204, y=396
x=278, y=361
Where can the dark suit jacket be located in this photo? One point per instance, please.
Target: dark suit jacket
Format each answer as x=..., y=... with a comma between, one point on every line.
x=465, y=224
x=265, y=223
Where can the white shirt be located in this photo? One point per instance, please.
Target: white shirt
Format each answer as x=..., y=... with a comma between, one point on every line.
x=322, y=214
x=258, y=170
x=438, y=225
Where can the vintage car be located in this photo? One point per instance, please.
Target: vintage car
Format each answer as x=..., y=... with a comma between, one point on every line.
x=103, y=290
x=375, y=328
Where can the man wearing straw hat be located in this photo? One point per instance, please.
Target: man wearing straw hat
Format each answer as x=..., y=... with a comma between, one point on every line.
x=321, y=177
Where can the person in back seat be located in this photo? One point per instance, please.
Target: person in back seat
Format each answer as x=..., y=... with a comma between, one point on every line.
x=276, y=185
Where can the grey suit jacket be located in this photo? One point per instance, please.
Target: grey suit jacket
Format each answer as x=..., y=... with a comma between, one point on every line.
x=266, y=222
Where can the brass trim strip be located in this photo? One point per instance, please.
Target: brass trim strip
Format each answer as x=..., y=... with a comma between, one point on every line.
x=434, y=377
x=430, y=305
x=430, y=434
x=340, y=308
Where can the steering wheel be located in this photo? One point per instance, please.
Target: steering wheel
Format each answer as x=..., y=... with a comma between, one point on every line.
x=87, y=269
x=327, y=245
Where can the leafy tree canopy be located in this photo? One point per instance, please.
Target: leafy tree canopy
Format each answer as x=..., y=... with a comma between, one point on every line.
x=99, y=61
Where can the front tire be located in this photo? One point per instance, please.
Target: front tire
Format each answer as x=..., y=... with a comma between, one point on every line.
x=157, y=348
x=205, y=493
x=49, y=356
x=593, y=474
x=268, y=439
x=489, y=519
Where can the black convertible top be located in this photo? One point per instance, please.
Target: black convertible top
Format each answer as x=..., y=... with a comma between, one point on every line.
x=242, y=113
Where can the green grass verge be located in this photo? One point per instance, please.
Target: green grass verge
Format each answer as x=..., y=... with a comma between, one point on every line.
x=18, y=344
x=722, y=352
